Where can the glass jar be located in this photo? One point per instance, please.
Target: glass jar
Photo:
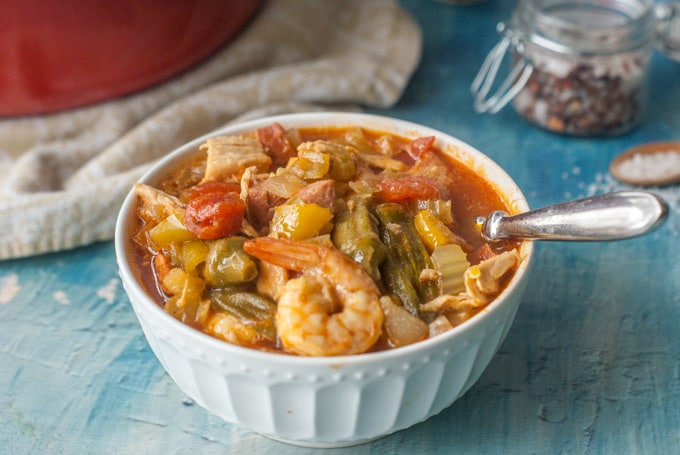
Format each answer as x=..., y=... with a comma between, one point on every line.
x=579, y=67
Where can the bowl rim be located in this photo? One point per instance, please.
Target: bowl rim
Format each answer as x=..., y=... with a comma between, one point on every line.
x=449, y=144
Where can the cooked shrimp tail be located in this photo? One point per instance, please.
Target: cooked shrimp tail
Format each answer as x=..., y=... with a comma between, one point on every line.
x=285, y=253
x=333, y=308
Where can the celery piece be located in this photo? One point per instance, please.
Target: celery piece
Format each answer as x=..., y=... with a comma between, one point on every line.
x=450, y=261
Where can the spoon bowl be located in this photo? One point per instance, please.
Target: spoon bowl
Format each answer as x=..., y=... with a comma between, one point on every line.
x=611, y=216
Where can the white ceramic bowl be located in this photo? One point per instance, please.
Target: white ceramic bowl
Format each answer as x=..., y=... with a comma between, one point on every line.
x=327, y=401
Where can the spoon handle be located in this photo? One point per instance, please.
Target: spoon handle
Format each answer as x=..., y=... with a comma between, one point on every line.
x=610, y=216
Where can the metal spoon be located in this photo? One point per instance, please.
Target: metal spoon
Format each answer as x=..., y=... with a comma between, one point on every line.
x=610, y=216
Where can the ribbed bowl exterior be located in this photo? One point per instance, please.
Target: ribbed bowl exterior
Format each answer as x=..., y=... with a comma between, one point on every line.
x=330, y=403
x=327, y=401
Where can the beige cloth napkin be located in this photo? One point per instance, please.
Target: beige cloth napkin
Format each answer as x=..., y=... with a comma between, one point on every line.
x=63, y=176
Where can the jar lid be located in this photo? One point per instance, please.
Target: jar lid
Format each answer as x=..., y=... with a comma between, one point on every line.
x=573, y=27
x=586, y=28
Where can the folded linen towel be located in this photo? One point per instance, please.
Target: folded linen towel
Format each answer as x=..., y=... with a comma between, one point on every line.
x=63, y=176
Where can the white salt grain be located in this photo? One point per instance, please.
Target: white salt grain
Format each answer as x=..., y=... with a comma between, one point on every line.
x=108, y=292
x=61, y=297
x=651, y=166
x=9, y=288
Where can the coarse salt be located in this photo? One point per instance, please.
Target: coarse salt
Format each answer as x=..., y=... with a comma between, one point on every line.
x=651, y=166
x=9, y=288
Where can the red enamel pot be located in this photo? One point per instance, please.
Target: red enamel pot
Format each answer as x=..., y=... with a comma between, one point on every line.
x=58, y=55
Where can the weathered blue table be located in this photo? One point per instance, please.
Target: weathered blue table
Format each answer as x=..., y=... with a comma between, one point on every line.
x=591, y=365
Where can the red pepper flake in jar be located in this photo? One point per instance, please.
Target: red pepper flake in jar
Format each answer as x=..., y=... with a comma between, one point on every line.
x=590, y=99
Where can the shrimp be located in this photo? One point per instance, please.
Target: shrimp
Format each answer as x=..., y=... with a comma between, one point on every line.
x=332, y=308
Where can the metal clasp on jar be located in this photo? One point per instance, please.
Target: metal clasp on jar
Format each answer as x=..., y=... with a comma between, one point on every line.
x=668, y=29
x=513, y=83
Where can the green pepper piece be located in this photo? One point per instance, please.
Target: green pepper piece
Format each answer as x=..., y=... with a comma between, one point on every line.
x=251, y=309
x=228, y=265
x=356, y=234
x=407, y=257
x=343, y=166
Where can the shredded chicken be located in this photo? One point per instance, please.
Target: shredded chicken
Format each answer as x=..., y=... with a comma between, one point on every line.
x=382, y=162
x=485, y=280
x=448, y=302
x=388, y=145
x=247, y=180
x=229, y=156
x=271, y=279
x=325, y=147
x=156, y=205
x=355, y=137
x=231, y=329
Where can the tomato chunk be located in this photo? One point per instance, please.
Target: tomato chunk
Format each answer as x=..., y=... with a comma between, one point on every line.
x=274, y=140
x=408, y=188
x=419, y=146
x=214, y=210
x=211, y=187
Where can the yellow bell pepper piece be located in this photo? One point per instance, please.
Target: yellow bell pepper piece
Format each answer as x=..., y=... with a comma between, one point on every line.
x=193, y=254
x=177, y=281
x=432, y=231
x=170, y=230
x=185, y=303
x=300, y=221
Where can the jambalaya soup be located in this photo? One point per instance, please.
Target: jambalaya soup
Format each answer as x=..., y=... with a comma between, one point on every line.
x=320, y=241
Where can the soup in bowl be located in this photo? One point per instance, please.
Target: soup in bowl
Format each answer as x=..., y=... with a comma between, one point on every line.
x=320, y=278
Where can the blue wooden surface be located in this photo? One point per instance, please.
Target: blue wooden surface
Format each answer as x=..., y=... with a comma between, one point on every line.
x=591, y=365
